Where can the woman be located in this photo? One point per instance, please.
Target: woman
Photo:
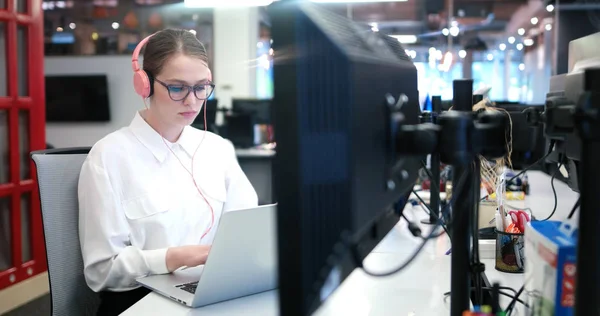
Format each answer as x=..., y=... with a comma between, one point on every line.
x=151, y=194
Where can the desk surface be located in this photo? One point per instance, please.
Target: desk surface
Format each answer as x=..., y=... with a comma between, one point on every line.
x=254, y=153
x=541, y=202
x=418, y=290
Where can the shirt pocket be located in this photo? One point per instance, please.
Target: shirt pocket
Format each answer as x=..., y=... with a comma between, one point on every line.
x=146, y=206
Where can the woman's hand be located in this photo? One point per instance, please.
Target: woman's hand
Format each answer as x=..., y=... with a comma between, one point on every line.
x=186, y=256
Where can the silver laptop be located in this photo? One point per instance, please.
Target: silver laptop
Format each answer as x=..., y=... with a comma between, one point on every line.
x=242, y=261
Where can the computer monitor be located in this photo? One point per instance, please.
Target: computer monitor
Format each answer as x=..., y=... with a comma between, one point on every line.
x=211, y=115
x=260, y=110
x=565, y=90
x=336, y=172
x=239, y=129
x=527, y=141
x=572, y=109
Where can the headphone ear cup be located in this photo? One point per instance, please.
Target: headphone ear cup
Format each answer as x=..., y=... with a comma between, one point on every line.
x=141, y=83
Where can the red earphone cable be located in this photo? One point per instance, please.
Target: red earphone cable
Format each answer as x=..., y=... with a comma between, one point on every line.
x=212, y=213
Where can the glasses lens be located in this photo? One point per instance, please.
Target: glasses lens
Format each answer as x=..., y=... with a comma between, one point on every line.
x=178, y=93
x=203, y=92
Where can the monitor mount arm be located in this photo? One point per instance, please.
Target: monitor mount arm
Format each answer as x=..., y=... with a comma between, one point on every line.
x=459, y=137
x=561, y=117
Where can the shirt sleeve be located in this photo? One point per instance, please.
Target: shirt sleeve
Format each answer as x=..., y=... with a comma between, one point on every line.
x=110, y=262
x=240, y=192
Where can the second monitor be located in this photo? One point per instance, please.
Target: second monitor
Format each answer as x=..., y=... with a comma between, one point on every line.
x=260, y=110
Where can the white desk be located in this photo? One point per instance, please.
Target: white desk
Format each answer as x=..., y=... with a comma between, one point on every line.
x=418, y=290
x=254, y=153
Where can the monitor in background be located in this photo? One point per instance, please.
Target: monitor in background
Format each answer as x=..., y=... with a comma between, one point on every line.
x=572, y=109
x=527, y=141
x=260, y=110
x=239, y=129
x=77, y=98
x=565, y=90
x=337, y=174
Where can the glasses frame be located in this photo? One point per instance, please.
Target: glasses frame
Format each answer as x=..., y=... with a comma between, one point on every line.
x=189, y=89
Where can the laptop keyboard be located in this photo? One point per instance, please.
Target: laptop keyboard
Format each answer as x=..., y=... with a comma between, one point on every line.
x=188, y=287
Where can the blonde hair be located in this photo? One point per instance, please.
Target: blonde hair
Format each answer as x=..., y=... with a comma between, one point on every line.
x=491, y=169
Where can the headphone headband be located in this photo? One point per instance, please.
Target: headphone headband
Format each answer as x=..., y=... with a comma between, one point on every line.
x=141, y=82
x=136, y=53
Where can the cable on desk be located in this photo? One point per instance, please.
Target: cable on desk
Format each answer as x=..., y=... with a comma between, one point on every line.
x=577, y=204
x=444, y=225
x=512, y=297
x=430, y=176
x=358, y=262
x=553, y=192
x=415, y=230
x=514, y=301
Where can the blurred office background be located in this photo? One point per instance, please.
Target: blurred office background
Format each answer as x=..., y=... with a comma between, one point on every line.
x=512, y=46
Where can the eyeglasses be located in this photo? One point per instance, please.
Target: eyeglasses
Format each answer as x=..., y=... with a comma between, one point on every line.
x=178, y=92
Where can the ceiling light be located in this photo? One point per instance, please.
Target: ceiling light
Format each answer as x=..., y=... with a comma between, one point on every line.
x=548, y=27
x=405, y=39
x=106, y=3
x=445, y=31
x=521, y=67
x=521, y=31
x=490, y=57
x=534, y=20
x=259, y=3
x=59, y=29
x=454, y=30
x=225, y=3
x=549, y=8
x=115, y=25
x=462, y=53
x=502, y=46
x=511, y=40
x=519, y=46
x=411, y=53
x=72, y=26
x=439, y=55
x=374, y=27
x=528, y=42
x=354, y=1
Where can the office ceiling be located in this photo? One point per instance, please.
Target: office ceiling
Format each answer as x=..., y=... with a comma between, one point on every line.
x=485, y=20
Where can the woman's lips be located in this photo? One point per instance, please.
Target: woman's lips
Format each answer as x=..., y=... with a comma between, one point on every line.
x=188, y=114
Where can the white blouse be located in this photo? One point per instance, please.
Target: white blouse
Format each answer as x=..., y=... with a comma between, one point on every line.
x=136, y=199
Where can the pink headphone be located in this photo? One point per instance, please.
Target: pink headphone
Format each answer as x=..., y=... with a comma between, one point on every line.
x=142, y=83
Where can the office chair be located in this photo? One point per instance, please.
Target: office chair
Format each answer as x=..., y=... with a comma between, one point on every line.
x=58, y=176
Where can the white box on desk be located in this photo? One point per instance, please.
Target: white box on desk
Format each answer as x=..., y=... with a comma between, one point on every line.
x=549, y=269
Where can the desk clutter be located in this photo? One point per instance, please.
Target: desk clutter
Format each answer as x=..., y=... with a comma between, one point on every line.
x=544, y=252
x=550, y=269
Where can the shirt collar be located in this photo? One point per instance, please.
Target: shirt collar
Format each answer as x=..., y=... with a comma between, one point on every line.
x=189, y=140
x=152, y=140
